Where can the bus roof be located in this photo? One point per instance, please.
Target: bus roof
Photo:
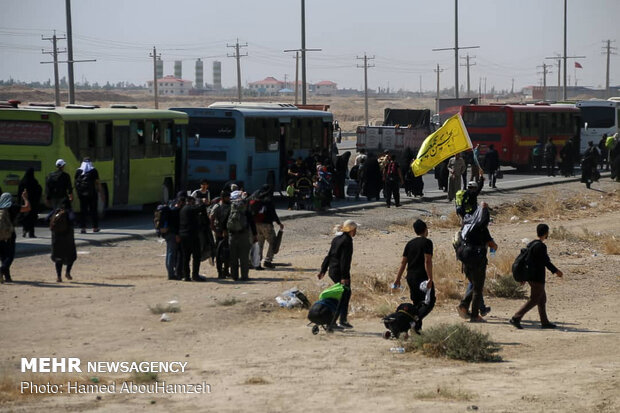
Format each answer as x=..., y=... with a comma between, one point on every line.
x=100, y=113
x=252, y=111
x=599, y=103
x=526, y=108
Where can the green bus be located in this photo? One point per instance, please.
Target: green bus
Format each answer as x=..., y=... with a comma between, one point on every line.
x=139, y=153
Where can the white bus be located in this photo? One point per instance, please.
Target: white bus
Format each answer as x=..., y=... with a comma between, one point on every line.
x=598, y=117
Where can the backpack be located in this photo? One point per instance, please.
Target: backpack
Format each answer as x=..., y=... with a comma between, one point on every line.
x=521, y=265
x=84, y=184
x=391, y=171
x=468, y=254
x=237, y=219
x=353, y=172
x=258, y=210
x=59, y=221
x=6, y=225
x=53, y=185
x=161, y=218
x=402, y=320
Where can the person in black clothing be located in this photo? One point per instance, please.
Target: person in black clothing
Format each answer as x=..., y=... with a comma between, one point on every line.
x=88, y=189
x=58, y=186
x=478, y=238
x=393, y=180
x=589, y=172
x=338, y=261
x=491, y=164
x=538, y=260
x=418, y=258
x=30, y=184
x=470, y=198
x=550, y=154
x=63, y=239
x=370, y=178
x=604, y=153
x=8, y=216
x=189, y=228
x=173, y=240
x=566, y=156
x=340, y=175
x=219, y=215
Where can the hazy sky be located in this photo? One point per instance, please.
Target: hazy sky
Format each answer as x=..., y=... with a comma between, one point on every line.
x=514, y=37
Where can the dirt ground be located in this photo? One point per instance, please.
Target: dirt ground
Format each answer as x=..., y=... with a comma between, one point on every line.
x=259, y=357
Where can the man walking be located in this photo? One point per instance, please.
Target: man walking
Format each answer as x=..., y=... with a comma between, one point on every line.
x=189, y=228
x=264, y=215
x=550, y=154
x=58, y=186
x=418, y=259
x=477, y=238
x=88, y=189
x=491, y=164
x=238, y=225
x=219, y=216
x=538, y=260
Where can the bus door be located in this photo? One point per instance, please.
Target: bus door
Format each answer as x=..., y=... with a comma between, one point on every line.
x=284, y=158
x=121, y=165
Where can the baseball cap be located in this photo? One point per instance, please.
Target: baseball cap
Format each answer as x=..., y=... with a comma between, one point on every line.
x=60, y=162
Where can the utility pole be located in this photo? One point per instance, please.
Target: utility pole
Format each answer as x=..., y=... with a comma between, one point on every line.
x=456, y=48
x=438, y=71
x=544, y=73
x=70, y=53
x=296, y=77
x=512, y=89
x=558, y=59
x=608, y=51
x=468, y=64
x=155, y=57
x=54, y=53
x=366, y=66
x=238, y=57
x=420, y=85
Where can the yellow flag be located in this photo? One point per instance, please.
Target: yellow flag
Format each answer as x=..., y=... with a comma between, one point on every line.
x=445, y=142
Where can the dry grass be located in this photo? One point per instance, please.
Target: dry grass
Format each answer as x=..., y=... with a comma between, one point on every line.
x=445, y=393
x=256, y=380
x=608, y=243
x=454, y=341
x=144, y=377
x=227, y=302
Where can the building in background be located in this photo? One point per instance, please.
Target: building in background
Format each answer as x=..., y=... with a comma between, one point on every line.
x=324, y=88
x=199, y=74
x=178, y=69
x=217, y=75
x=159, y=68
x=171, y=86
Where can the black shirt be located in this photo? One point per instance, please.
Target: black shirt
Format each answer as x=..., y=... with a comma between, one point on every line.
x=189, y=224
x=339, y=258
x=415, y=251
x=539, y=259
x=58, y=185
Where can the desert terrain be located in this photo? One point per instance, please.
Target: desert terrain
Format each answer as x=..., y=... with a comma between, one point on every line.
x=257, y=356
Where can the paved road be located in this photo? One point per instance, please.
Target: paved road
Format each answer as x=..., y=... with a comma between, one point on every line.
x=123, y=225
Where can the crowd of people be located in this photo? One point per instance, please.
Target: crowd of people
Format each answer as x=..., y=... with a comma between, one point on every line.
x=229, y=232
x=58, y=197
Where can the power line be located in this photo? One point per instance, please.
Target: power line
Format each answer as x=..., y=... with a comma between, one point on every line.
x=54, y=52
x=238, y=56
x=608, y=51
x=366, y=66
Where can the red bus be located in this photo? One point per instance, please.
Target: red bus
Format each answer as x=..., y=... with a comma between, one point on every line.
x=515, y=129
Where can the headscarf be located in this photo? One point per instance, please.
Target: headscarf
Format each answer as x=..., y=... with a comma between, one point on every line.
x=347, y=226
x=28, y=178
x=6, y=200
x=235, y=195
x=86, y=166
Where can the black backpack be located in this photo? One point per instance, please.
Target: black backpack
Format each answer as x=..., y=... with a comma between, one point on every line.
x=53, y=185
x=84, y=184
x=161, y=218
x=521, y=266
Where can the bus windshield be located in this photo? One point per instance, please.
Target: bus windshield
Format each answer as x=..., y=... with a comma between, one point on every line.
x=484, y=119
x=597, y=117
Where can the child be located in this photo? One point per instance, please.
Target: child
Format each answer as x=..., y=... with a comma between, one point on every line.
x=290, y=194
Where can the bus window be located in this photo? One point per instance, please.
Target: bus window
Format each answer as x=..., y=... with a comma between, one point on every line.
x=306, y=133
x=152, y=143
x=136, y=139
x=104, y=141
x=87, y=139
x=72, y=138
x=484, y=119
x=266, y=131
x=317, y=132
x=165, y=141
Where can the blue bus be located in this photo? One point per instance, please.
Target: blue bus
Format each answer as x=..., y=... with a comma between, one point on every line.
x=251, y=142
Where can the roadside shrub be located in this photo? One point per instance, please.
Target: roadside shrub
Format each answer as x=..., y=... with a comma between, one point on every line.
x=505, y=286
x=454, y=341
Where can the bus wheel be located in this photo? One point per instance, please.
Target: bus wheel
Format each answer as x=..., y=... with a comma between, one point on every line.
x=166, y=191
x=102, y=204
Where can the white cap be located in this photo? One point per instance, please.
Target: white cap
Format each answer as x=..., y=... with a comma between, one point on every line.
x=472, y=184
x=60, y=163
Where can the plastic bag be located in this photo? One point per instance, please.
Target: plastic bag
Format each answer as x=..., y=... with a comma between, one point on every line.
x=292, y=298
x=255, y=255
